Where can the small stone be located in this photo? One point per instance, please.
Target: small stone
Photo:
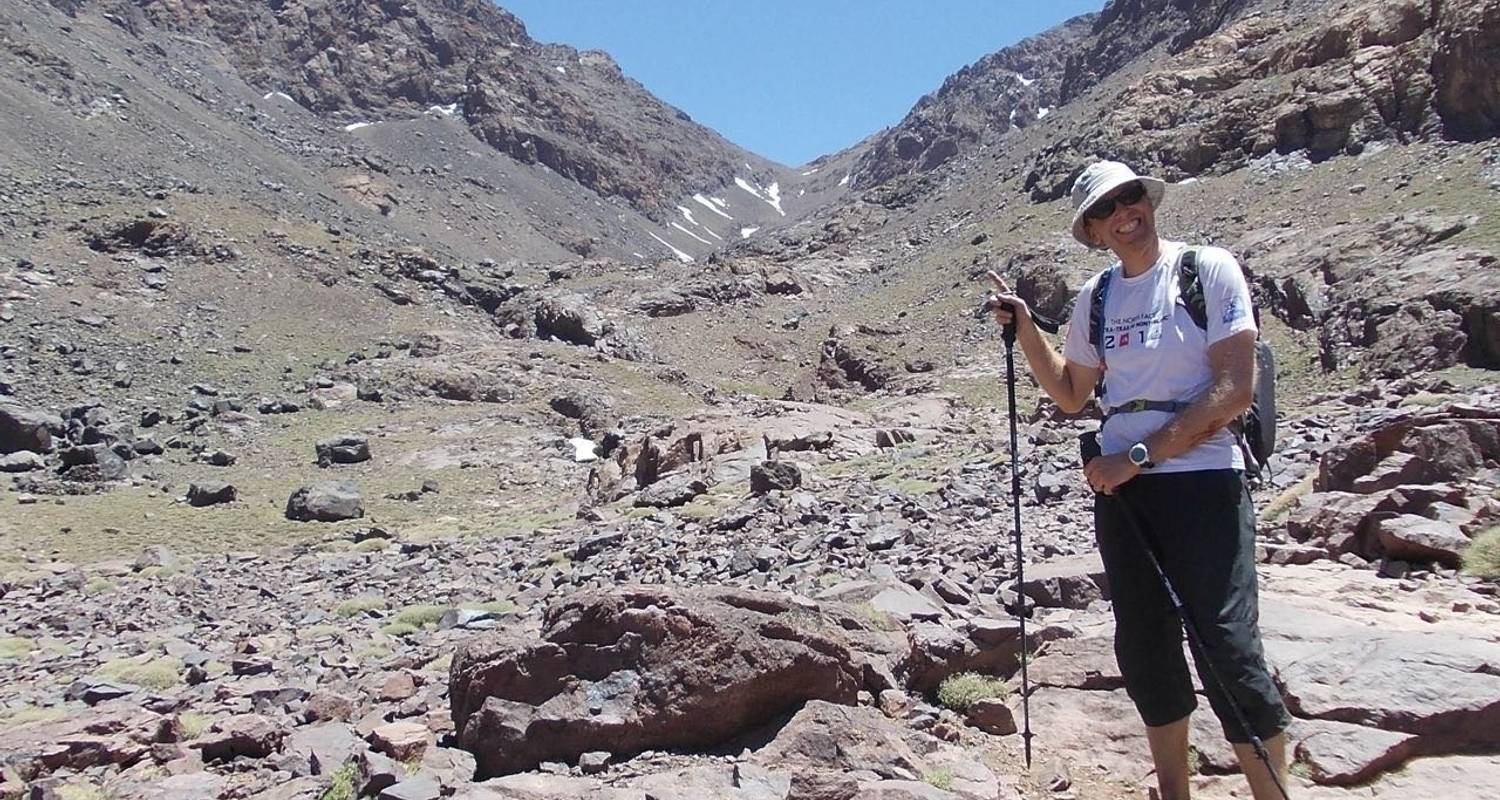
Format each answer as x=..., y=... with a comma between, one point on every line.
x=328, y=707
x=421, y=786
x=250, y=735
x=992, y=716
x=325, y=502
x=895, y=703
x=593, y=763
x=250, y=665
x=348, y=449
x=770, y=476
x=219, y=458
x=209, y=493
x=398, y=687
x=22, y=461
x=403, y=741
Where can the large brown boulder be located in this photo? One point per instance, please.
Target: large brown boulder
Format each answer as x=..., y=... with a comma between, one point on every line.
x=631, y=669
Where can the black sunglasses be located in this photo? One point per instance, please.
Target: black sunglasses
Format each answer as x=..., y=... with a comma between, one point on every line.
x=1128, y=196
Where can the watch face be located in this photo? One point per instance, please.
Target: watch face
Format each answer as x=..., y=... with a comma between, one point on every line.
x=1138, y=454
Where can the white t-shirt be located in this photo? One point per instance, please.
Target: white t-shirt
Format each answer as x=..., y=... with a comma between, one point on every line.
x=1154, y=351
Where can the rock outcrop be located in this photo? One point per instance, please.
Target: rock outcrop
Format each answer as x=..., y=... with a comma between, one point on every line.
x=573, y=112
x=641, y=668
x=1247, y=80
x=1389, y=296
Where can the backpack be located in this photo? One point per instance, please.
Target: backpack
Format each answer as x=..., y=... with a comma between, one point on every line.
x=1256, y=428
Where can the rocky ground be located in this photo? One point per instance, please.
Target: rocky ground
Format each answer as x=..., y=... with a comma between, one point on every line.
x=847, y=576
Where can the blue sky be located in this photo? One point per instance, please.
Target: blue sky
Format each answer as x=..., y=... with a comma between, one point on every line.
x=788, y=79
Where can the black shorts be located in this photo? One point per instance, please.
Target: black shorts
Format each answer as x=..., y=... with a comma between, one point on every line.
x=1202, y=527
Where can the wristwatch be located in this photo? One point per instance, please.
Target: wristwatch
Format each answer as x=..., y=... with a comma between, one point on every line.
x=1140, y=456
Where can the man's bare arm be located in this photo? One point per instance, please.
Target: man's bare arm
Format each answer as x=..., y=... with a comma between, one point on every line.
x=1232, y=361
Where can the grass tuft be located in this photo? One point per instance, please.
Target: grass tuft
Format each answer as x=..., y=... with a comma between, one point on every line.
x=420, y=616
x=359, y=606
x=940, y=778
x=158, y=674
x=191, y=724
x=317, y=632
x=98, y=586
x=15, y=647
x=29, y=714
x=1482, y=557
x=373, y=652
x=959, y=692
x=342, y=785
x=399, y=629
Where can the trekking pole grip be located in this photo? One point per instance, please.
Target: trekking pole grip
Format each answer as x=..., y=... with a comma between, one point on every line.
x=1008, y=332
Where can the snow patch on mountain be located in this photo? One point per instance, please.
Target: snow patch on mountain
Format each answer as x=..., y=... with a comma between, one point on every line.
x=770, y=195
x=681, y=256
x=678, y=226
x=774, y=192
x=712, y=205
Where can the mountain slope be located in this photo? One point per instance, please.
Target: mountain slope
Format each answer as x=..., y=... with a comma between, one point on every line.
x=551, y=111
x=1276, y=121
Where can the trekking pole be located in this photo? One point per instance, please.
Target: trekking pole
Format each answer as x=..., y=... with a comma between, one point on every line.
x=1090, y=448
x=1008, y=334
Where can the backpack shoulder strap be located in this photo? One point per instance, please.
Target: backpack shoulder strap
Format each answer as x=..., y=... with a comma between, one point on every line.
x=1096, y=311
x=1190, y=287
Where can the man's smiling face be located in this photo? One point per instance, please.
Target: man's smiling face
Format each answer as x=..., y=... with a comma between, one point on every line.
x=1129, y=226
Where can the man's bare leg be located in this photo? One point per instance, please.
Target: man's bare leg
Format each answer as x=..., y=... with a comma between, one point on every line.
x=1261, y=785
x=1169, y=751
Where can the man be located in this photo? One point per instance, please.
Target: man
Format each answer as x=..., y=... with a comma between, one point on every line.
x=1170, y=464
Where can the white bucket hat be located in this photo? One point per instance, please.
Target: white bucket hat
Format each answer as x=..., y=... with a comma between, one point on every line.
x=1099, y=179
